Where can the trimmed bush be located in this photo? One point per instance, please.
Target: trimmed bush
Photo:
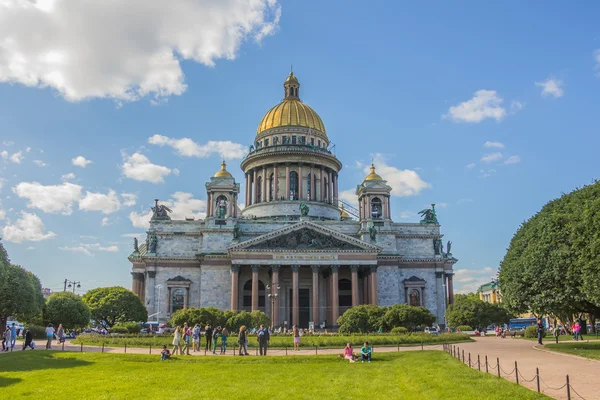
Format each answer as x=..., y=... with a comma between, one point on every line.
x=464, y=328
x=400, y=330
x=361, y=319
x=410, y=317
x=38, y=331
x=531, y=332
x=130, y=327
x=118, y=329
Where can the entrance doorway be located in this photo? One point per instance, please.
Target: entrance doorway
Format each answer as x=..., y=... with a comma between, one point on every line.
x=304, y=308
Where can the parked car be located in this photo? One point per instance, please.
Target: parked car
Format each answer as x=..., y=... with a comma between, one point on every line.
x=432, y=331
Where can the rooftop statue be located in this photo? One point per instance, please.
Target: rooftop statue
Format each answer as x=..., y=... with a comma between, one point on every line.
x=373, y=232
x=429, y=215
x=159, y=212
x=304, y=209
x=236, y=231
x=136, y=249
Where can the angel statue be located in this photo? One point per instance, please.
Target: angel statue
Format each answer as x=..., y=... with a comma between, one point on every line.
x=136, y=249
x=304, y=210
x=159, y=212
x=429, y=215
x=373, y=232
x=448, y=248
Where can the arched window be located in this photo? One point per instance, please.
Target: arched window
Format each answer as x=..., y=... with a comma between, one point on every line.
x=376, y=208
x=414, y=297
x=271, y=187
x=177, y=299
x=221, y=207
x=293, y=195
x=259, y=190
x=247, y=295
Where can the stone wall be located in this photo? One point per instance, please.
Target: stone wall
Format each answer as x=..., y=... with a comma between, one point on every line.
x=215, y=287
x=388, y=291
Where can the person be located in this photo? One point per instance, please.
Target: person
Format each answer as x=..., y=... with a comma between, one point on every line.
x=574, y=331
x=186, y=333
x=577, y=330
x=263, y=339
x=49, y=336
x=6, y=339
x=13, y=338
x=296, y=338
x=348, y=354
x=540, y=331
x=208, y=332
x=196, y=338
x=165, y=354
x=365, y=352
x=215, y=339
x=242, y=341
x=177, y=340
x=224, y=336
x=28, y=340
x=60, y=333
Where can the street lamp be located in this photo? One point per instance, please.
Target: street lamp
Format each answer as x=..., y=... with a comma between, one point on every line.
x=72, y=284
x=273, y=297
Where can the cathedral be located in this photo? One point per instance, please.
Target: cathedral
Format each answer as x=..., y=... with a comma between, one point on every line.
x=296, y=251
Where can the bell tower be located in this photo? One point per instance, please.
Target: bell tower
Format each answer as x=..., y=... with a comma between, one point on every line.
x=222, y=194
x=374, y=198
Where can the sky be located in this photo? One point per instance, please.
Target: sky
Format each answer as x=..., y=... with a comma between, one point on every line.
x=488, y=110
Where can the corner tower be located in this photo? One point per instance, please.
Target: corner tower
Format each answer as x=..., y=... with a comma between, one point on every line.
x=290, y=162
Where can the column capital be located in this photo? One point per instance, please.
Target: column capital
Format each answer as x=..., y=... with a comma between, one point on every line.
x=137, y=275
x=235, y=268
x=335, y=268
x=255, y=268
x=275, y=268
x=295, y=268
x=315, y=268
x=151, y=274
x=374, y=268
x=354, y=268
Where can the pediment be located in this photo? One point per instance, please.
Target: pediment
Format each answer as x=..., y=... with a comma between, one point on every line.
x=305, y=236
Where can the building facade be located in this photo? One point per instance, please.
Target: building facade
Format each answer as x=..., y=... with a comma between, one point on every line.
x=295, y=251
x=490, y=292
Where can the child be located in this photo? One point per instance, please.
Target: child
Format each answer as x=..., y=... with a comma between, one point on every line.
x=165, y=354
x=365, y=352
x=348, y=354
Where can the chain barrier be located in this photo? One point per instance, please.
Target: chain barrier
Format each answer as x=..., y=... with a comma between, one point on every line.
x=574, y=391
x=527, y=380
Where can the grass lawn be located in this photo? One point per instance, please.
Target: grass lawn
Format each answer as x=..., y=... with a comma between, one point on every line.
x=587, y=350
x=563, y=338
x=410, y=375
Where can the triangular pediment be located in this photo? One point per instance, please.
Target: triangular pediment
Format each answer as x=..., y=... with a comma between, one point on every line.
x=305, y=236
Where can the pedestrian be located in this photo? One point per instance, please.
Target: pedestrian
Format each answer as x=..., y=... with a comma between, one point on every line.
x=573, y=330
x=215, y=339
x=177, y=341
x=60, y=333
x=578, y=335
x=365, y=352
x=49, y=336
x=224, y=336
x=296, y=333
x=6, y=339
x=540, y=331
x=196, y=338
x=242, y=340
x=13, y=338
x=186, y=333
x=28, y=340
x=208, y=332
x=263, y=339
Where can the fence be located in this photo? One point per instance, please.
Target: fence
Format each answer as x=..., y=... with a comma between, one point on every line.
x=496, y=369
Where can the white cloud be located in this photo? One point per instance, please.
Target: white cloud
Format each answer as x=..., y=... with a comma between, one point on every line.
x=76, y=54
x=487, y=174
x=52, y=198
x=39, y=163
x=2, y=213
x=80, y=161
x=188, y=148
x=105, y=221
x=4, y=154
x=139, y=168
x=551, y=87
x=513, y=160
x=77, y=249
x=516, y=106
x=407, y=215
x=8, y=142
x=28, y=228
x=493, y=145
x=128, y=199
x=491, y=157
x=471, y=165
x=87, y=248
x=484, y=104
x=183, y=205
x=469, y=280
x=404, y=182
x=30, y=248
x=441, y=205
x=68, y=177
x=106, y=203
x=28, y=149
x=349, y=197
x=133, y=235
x=17, y=157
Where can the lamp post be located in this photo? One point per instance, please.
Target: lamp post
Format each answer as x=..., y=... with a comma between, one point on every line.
x=72, y=284
x=273, y=297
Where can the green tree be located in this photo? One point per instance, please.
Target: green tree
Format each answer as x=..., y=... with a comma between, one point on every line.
x=201, y=316
x=553, y=261
x=109, y=305
x=407, y=316
x=68, y=309
x=468, y=309
x=361, y=319
x=239, y=319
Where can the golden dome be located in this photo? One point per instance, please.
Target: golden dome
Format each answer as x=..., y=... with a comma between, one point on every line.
x=373, y=176
x=291, y=111
x=223, y=173
x=343, y=213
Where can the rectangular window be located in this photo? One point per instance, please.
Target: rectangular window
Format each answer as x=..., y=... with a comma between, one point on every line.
x=319, y=143
x=266, y=142
x=294, y=139
x=312, y=141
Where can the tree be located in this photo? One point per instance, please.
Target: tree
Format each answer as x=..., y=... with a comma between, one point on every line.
x=109, y=305
x=20, y=291
x=553, y=261
x=361, y=319
x=201, y=316
x=407, y=316
x=468, y=309
x=68, y=309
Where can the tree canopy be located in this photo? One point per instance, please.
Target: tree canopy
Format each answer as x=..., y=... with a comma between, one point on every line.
x=109, y=305
x=553, y=261
x=67, y=309
x=469, y=310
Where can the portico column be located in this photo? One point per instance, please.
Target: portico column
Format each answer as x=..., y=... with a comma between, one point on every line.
x=315, y=294
x=374, y=284
x=335, y=186
x=247, y=190
x=300, y=183
x=235, y=284
x=322, y=198
x=287, y=182
x=209, y=206
x=274, y=285
x=255, y=269
x=389, y=207
x=335, y=296
x=265, y=195
x=330, y=183
x=312, y=183
x=255, y=187
x=450, y=289
x=295, y=295
x=366, y=286
x=384, y=211
x=275, y=183
x=354, y=270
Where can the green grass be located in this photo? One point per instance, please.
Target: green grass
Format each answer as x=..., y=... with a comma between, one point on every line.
x=563, y=338
x=587, y=350
x=307, y=341
x=406, y=375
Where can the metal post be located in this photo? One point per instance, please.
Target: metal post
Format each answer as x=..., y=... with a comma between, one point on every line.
x=469, y=359
x=286, y=350
x=103, y=347
x=463, y=354
x=82, y=347
x=257, y=351
x=398, y=346
x=568, y=389
x=478, y=363
x=537, y=378
x=63, y=346
x=150, y=352
x=486, y=365
x=421, y=344
x=498, y=366
x=316, y=349
x=517, y=372
x=125, y=348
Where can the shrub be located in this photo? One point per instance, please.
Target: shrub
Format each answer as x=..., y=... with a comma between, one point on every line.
x=464, y=328
x=259, y=318
x=118, y=329
x=201, y=316
x=239, y=319
x=407, y=316
x=37, y=331
x=361, y=319
x=130, y=327
x=400, y=330
x=531, y=332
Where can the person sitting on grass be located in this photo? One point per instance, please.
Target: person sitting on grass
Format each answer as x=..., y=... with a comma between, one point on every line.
x=365, y=352
x=165, y=354
x=348, y=354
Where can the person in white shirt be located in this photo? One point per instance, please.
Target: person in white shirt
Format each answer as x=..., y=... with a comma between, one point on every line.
x=49, y=336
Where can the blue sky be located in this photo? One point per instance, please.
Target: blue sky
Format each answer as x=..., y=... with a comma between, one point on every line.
x=488, y=110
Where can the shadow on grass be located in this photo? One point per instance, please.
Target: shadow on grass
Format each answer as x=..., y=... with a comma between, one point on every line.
x=20, y=361
x=4, y=382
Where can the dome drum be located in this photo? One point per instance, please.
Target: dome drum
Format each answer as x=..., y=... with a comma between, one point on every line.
x=288, y=209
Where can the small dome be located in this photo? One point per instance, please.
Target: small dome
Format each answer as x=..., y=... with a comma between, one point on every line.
x=343, y=213
x=373, y=176
x=223, y=173
x=291, y=78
